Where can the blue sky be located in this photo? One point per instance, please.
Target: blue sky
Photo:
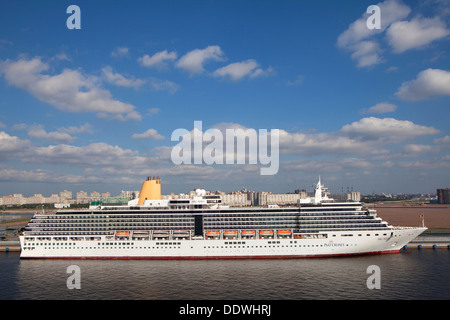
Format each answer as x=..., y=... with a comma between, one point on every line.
x=95, y=108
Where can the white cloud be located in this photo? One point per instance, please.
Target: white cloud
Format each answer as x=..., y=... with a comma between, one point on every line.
x=320, y=144
x=158, y=59
x=61, y=135
x=94, y=154
x=188, y=170
x=416, y=149
x=120, y=52
x=149, y=134
x=85, y=128
x=69, y=91
x=40, y=133
x=192, y=173
x=417, y=33
x=8, y=174
x=163, y=85
x=358, y=38
x=260, y=72
x=366, y=53
x=391, y=11
x=194, y=60
x=366, y=136
x=154, y=83
x=388, y=130
x=164, y=153
x=444, y=141
x=238, y=70
x=427, y=164
x=52, y=176
x=61, y=57
x=298, y=81
x=392, y=69
x=382, y=107
x=327, y=166
x=120, y=80
x=11, y=144
x=152, y=111
x=428, y=83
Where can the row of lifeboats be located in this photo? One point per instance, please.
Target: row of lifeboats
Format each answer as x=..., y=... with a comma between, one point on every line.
x=249, y=233
x=209, y=234
x=156, y=234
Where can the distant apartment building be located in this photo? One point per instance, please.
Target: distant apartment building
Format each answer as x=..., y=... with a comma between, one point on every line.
x=40, y=199
x=15, y=199
x=81, y=195
x=235, y=200
x=18, y=199
x=354, y=196
x=95, y=195
x=443, y=196
x=129, y=194
x=65, y=195
x=266, y=198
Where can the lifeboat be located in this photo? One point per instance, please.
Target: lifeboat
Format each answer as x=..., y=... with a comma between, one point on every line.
x=160, y=233
x=248, y=233
x=213, y=233
x=230, y=233
x=140, y=234
x=180, y=233
x=266, y=233
x=284, y=233
x=122, y=233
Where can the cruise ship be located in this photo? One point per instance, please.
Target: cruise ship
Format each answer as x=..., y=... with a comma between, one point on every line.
x=201, y=227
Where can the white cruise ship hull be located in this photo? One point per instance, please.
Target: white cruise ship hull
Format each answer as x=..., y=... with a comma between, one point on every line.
x=325, y=244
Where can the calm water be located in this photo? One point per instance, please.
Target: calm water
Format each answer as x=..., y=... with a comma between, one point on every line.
x=419, y=274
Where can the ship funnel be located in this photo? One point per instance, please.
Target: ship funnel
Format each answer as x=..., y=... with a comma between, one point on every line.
x=150, y=190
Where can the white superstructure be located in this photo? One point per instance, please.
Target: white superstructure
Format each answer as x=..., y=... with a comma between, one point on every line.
x=202, y=228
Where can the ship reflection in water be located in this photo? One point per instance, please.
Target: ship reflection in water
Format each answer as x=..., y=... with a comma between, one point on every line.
x=419, y=274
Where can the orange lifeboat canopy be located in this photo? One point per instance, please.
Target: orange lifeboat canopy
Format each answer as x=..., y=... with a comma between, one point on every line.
x=180, y=231
x=230, y=233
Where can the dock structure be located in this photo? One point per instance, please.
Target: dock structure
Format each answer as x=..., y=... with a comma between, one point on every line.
x=430, y=241
x=9, y=246
x=420, y=245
